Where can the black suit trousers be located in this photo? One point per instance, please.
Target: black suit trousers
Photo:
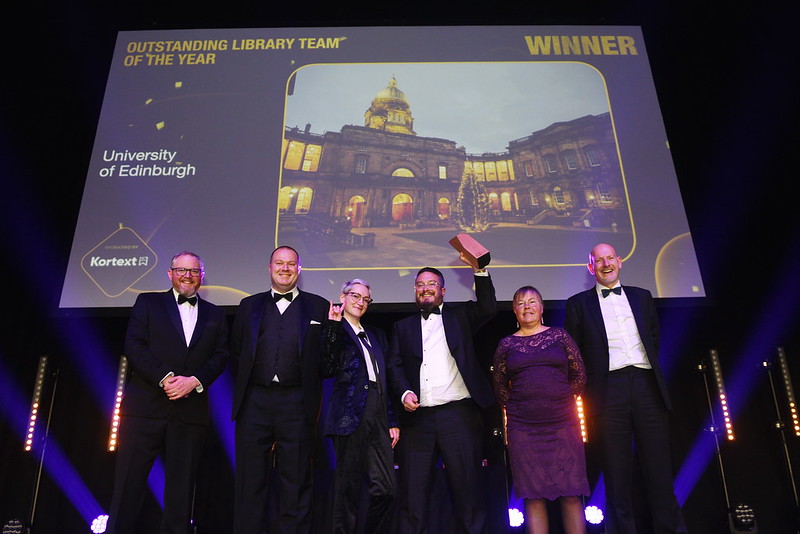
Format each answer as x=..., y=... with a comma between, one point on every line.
x=141, y=441
x=273, y=415
x=634, y=412
x=365, y=454
x=452, y=431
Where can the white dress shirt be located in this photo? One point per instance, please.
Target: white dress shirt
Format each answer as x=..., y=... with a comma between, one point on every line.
x=440, y=381
x=625, y=346
x=357, y=328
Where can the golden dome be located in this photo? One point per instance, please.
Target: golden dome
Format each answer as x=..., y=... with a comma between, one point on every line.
x=391, y=92
x=390, y=111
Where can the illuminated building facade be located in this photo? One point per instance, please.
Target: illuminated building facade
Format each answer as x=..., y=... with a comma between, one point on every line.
x=384, y=174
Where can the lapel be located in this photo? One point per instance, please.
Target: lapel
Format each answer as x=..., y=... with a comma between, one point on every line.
x=350, y=332
x=377, y=350
x=359, y=351
x=171, y=307
x=415, y=335
x=593, y=303
x=452, y=331
x=306, y=312
x=256, y=313
x=202, y=318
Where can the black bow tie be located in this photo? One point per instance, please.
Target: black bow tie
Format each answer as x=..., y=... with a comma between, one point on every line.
x=190, y=300
x=427, y=313
x=279, y=296
x=606, y=292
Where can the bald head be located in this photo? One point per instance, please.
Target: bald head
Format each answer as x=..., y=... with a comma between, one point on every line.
x=605, y=264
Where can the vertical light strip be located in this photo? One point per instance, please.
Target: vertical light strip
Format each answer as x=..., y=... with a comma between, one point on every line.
x=787, y=384
x=721, y=395
x=120, y=390
x=582, y=418
x=36, y=402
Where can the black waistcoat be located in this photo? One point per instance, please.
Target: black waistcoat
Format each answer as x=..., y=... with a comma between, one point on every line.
x=278, y=349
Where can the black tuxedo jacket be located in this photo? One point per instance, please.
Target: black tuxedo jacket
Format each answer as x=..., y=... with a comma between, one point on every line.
x=244, y=338
x=584, y=322
x=344, y=360
x=155, y=345
x=461, y=321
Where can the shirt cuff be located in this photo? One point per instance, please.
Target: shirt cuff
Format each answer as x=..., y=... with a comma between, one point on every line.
x=199, y=387
x=161, y=382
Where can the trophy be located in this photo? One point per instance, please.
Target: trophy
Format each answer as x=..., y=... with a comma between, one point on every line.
x=477, y=255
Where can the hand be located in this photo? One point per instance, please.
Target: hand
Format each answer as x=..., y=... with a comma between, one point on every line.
x=463, y=258
x=178, y=387
x=410, y=402
x=394, y=433
x=335, y=312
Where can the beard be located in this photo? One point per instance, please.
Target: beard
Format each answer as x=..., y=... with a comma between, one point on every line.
x=427, y=302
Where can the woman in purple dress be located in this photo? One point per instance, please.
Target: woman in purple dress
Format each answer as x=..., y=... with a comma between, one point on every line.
x=538, y=370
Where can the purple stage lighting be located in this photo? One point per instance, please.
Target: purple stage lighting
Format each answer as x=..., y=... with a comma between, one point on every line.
x=113, y=435
x=99, y=524
x=156, y=480
x=220, y=399
x=36, y=403
x=593, y=514
x=597, y=498
x=515, y=518
x=787, y=385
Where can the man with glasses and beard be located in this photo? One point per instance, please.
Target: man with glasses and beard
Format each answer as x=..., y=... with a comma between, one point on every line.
x=433, y=361
x=176, y=346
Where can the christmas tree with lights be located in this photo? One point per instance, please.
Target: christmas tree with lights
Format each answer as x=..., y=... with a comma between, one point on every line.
x=472, y=204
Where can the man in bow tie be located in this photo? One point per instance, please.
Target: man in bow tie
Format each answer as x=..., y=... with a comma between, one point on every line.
x=445, y=384
x=176, y=346
x=275, y=343
x=616, y=328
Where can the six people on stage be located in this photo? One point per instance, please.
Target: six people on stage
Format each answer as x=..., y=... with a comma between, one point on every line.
x=426, y=382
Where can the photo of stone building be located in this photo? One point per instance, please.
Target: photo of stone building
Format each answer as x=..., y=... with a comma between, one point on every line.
x=382, y=194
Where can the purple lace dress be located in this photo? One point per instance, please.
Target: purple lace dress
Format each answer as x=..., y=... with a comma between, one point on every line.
x=535, y=378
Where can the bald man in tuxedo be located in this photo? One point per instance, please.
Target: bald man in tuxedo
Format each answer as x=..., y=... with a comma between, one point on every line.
x=616, y=328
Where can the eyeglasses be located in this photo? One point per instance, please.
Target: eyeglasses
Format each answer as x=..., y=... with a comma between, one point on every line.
x=529, y=302
x=432, y=284
x=356, y=297
x=182, y=271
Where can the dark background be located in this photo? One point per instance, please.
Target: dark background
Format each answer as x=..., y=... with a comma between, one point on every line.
x=726, y=81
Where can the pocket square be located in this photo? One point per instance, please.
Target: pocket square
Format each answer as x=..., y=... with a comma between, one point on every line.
x=314, y=322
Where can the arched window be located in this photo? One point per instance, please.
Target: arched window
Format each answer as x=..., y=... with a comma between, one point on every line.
x=403, y=172
x=284, y=199
x=402, y=207
x=444, y=208
x=303, y=204
x=356, y=209
x=505, y=201
x=494, y=202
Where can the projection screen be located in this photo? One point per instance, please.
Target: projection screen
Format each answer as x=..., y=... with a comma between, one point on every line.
x=367, y=150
